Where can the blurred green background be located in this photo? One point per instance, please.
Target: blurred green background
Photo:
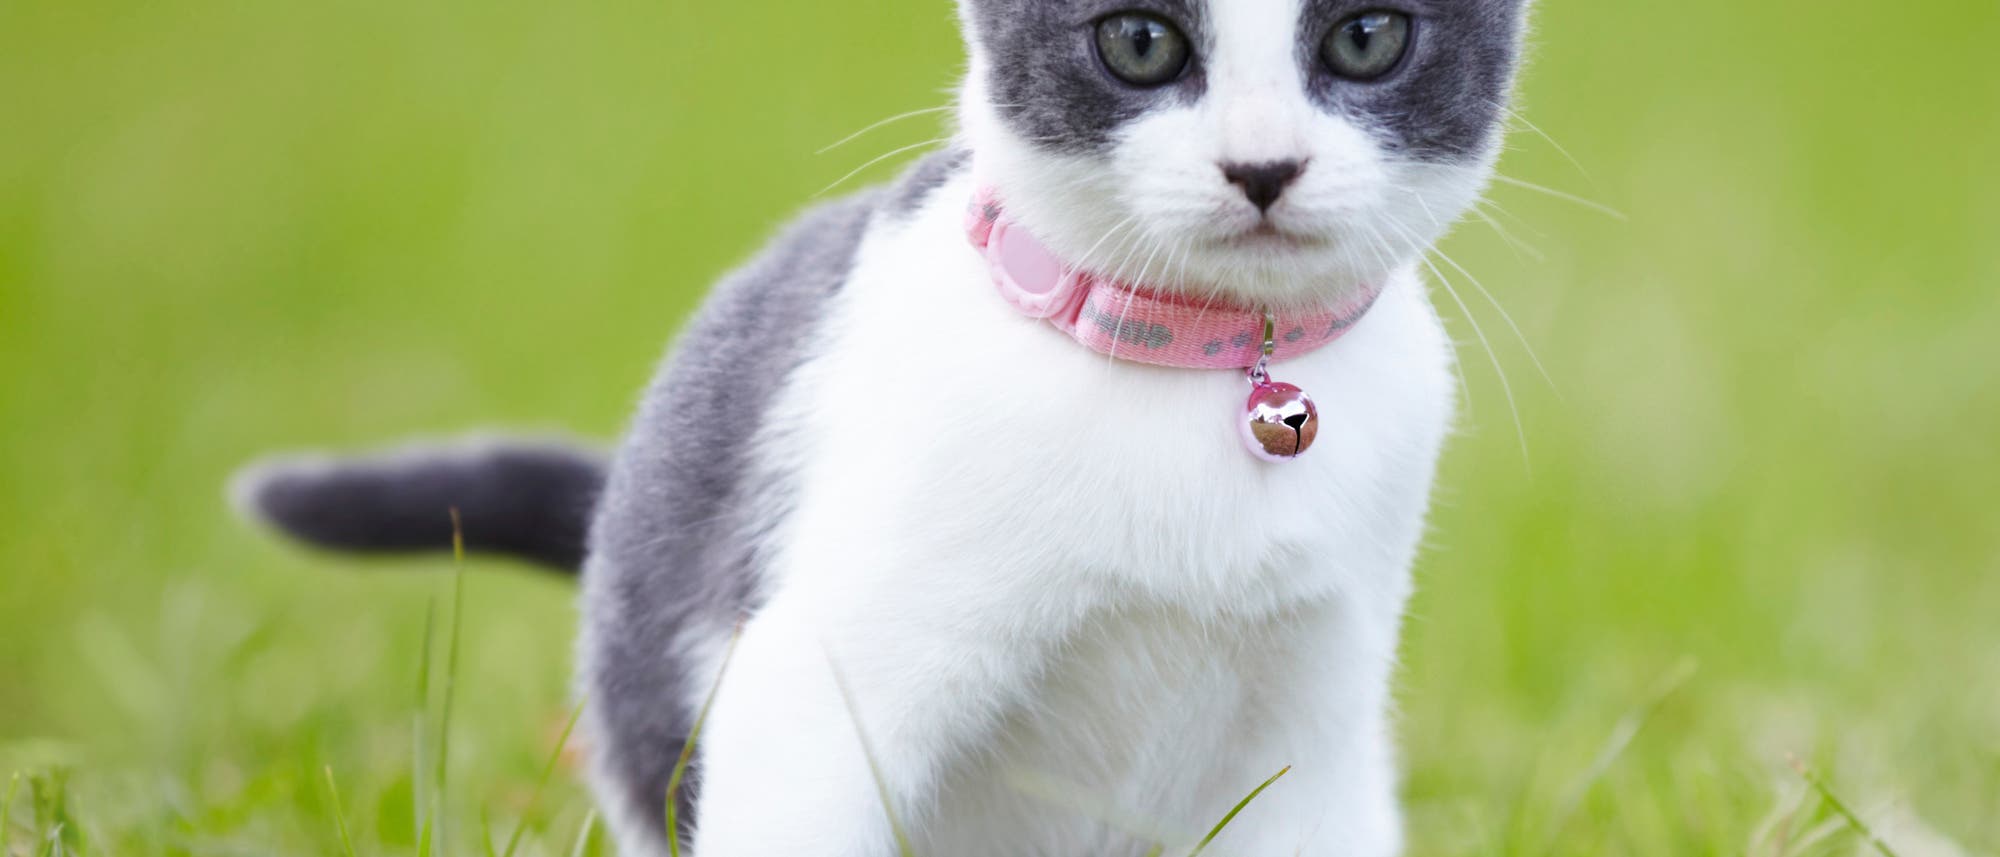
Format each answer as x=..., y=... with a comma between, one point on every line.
x=1756, y=518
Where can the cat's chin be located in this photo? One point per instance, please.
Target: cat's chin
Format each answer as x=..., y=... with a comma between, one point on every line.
x=1267, y=237
x=1275, y=275
x=1270, y=264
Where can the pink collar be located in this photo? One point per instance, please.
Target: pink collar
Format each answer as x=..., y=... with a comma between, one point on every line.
x=1137, y=323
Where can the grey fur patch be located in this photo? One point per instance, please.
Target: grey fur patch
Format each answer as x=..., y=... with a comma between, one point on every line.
x=930, y=173
x=1444, y=101
x=670, y=550
x=1045, y=77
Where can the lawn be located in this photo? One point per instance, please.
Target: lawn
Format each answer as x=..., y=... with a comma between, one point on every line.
x=1750, y=516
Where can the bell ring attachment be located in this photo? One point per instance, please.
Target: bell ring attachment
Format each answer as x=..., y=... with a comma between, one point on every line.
x=1281, y=421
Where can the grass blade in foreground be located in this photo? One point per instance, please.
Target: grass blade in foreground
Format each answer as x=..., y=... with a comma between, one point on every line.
x=486, y=834
x=687, y=749
x=1224, y=823
x=419, y=725
x=874, y=769
x=1622, y=735
x=339, y=815
x=548, y=770
x=7, y=808
x=450, y=671
x=1839, y=806
x=583, y=836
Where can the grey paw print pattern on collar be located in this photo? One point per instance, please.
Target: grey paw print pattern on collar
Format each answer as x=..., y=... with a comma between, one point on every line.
x=1128, y=330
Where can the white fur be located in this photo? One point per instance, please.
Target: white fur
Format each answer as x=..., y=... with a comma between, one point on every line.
x=1049, y=593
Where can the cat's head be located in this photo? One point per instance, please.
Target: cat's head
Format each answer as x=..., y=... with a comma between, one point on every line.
x=1276, y=151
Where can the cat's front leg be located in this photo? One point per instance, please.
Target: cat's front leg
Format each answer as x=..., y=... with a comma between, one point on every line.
x=840, y=698
x=1321, y=711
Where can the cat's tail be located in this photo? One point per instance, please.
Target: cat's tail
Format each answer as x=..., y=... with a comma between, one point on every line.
x=531, y=500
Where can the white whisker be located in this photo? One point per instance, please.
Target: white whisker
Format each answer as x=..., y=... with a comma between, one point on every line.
x=1084, y=260
x=1118, y=332
x=1504, y=315
x=879, y=159
x=1516, y=116
x=884, y=123
x=1506, y=386
x=1571, y=198
x=1515, y=244
x=1504, y=212
x=1376, y=239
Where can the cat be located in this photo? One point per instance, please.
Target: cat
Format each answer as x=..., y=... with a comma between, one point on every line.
x=1025, y=587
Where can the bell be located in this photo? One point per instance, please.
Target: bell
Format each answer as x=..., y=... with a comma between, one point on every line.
x=1281, y=421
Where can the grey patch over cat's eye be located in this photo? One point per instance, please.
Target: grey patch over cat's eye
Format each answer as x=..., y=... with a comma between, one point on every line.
x=1442, y=99
x=1046, y=77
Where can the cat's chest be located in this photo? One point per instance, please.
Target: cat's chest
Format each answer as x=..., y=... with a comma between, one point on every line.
x=935, y=416
x=1138, y=728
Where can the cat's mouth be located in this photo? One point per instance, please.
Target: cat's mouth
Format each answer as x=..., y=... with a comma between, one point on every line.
x=1269, y=236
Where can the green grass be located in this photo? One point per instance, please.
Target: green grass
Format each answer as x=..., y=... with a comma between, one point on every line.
x=1766, y=449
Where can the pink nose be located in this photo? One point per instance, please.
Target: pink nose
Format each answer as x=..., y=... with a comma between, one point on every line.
x=1263, y=183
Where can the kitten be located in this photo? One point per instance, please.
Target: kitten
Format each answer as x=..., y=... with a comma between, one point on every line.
x=1037, y=596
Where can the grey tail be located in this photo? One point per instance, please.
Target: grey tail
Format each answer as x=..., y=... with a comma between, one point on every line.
x=528, y=500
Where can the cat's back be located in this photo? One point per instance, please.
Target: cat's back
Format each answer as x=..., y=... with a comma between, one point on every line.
x=673, y=547
x=684, y=462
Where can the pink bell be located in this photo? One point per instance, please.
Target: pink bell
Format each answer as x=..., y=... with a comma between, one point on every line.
x=1281, y=421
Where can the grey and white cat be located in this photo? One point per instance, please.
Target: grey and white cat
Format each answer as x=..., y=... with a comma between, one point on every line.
x=1046, y=594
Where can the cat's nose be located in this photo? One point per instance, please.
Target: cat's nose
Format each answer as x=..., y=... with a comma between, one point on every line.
x=1263, y=183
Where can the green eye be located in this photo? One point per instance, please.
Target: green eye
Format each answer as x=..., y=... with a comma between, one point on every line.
x=1367, y=45
x=1142, y=50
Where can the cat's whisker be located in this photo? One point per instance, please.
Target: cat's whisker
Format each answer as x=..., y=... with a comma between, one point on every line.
x=1187, y=255
x=1376, y=245
x=1565, y=196
x=1123, y=251
x=1118, y=332
x=879, y=159
x=1426, y=206
x=883, y=124
x=1506, y=386
x=1502, y=210
x=1088, y=255
x=1516, y=116
x=1504, y=315
x=1515, y=244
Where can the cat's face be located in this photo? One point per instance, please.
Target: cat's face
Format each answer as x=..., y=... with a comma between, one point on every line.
x=1277, y=151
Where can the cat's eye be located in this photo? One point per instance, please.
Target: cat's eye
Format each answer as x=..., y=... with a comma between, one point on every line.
x=1142, y=49
x=1367, y=46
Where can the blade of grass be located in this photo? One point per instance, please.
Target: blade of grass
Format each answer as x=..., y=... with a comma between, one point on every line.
x=486, y=833
x=1224, y=823
x=583, y=836
x=903, y=847
x=450, y=678
x=50, y=794
x=7, y=808
x=420, y=726
x=687, y=749
x=339, y=814
x=1840, y=807
x=1614, y=747
x=548, y=770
